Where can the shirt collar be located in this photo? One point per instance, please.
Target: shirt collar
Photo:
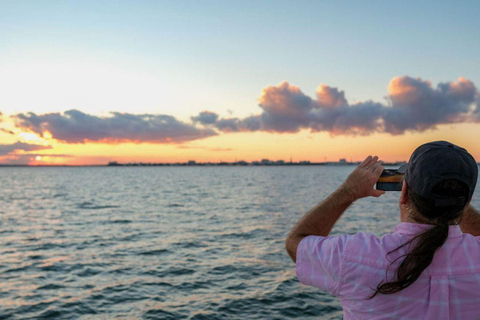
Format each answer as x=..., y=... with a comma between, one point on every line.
x=409, y=228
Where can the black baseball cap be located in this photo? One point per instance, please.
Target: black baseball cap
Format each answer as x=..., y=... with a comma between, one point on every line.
x=435, y=162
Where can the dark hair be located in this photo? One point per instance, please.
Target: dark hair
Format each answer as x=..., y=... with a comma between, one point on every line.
x=427, y=243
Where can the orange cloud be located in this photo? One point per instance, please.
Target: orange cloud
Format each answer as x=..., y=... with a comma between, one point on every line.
x=414, y=106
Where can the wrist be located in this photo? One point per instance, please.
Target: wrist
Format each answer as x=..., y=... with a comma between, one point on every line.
x=346, y=193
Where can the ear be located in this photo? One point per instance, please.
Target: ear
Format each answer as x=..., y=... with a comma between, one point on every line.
x=404, y=195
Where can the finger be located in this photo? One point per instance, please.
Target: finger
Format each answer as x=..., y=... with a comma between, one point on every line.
x=375, y=165
x=378, y=169
x=377, y=193
x=373, y=161
x=364, y=162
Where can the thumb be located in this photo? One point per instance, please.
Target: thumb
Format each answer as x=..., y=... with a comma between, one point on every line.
x=377, y=193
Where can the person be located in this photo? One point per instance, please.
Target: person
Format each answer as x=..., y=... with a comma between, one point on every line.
x=428, y=268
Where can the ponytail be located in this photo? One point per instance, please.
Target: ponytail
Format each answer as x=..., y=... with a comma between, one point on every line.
x=428, y=242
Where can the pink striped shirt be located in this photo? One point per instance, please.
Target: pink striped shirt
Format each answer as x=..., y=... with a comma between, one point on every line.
x=351, y=266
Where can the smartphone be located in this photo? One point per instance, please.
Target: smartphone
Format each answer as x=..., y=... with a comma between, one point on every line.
x=391, y=180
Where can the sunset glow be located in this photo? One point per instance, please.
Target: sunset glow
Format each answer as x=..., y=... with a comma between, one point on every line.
x=169, y=91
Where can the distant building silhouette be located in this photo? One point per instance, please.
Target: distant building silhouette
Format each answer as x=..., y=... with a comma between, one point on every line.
x=263, y=162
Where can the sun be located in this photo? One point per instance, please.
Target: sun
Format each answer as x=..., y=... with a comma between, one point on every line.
x=38, y=158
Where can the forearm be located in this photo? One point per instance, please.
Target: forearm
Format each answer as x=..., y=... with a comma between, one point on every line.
x=319, y=221
x=471, y=221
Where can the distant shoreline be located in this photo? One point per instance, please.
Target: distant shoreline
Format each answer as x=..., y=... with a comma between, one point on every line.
x=334, y=164
x=183, y=165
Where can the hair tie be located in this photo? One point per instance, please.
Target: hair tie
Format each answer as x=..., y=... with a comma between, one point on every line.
x=442, y=221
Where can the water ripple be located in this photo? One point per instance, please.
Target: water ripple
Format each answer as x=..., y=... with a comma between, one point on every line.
x=165, y=242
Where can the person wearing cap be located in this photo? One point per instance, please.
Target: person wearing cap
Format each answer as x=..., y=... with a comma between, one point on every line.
x=428, y=268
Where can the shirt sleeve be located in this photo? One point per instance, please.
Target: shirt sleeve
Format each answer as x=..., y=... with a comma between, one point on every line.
x=319, y=261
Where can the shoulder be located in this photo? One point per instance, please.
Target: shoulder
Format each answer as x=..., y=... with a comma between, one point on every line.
x=471, y=238
x=316, y=245
x=319, y=262
x=367, y=248
x=351, y=242
x=360, y=247
x=470, y=241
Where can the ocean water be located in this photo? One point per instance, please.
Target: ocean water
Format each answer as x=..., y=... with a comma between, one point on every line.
x=165, y=242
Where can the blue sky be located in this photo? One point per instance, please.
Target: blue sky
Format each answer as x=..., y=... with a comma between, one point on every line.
x=136, y=72
x=218, y=55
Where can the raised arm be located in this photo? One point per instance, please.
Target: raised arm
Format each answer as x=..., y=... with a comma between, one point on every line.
x=319, y=221
x=471, y=221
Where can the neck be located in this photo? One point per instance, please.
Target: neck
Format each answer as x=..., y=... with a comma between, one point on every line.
x=410, y=215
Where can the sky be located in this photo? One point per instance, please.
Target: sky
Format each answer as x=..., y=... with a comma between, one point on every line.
x=89, y=82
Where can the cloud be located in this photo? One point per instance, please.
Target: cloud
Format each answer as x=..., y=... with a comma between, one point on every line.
x=330, y=97
x=74, y=126
x=6, y=149
x=229, y=124
x=417, y=106
x=7, y=131
x=412, y=105
x=206, y=117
